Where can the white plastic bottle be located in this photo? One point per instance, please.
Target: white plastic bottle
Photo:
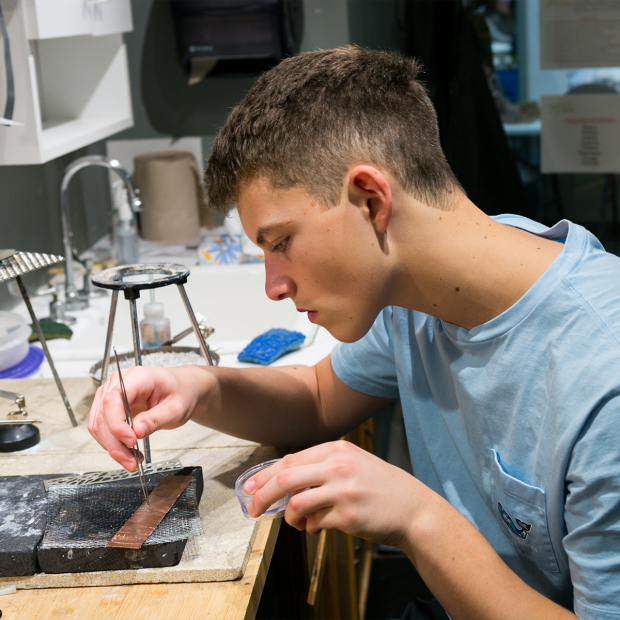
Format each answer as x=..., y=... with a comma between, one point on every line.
x=154, y=327
x=126, y=235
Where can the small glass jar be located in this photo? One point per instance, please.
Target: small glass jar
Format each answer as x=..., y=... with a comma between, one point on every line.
x=275, y=511
x=154, y=327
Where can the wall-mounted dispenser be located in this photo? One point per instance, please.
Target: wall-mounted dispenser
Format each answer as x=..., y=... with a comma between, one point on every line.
x=238, y=35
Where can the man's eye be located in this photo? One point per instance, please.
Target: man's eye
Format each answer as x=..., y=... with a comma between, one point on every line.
x=281, y=246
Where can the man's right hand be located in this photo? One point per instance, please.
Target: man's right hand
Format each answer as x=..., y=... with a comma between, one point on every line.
x=281, y=406
x=159, y=398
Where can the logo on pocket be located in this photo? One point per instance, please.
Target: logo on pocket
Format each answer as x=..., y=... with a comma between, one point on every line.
x=520, y=529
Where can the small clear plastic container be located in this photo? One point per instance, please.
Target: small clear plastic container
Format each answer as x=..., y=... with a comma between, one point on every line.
x=275, y=511
x=14, y=334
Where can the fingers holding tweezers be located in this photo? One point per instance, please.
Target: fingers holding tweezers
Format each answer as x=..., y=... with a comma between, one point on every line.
x=129, y=421
x=108, y=424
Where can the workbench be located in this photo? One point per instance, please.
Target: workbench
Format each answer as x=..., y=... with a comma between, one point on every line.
x=62, y=447
x=166, y=601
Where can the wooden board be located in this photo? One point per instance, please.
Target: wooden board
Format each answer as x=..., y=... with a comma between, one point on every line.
x=220, y=554
x=232, y=600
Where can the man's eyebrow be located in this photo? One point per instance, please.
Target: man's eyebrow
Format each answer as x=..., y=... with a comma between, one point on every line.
x=265, y=230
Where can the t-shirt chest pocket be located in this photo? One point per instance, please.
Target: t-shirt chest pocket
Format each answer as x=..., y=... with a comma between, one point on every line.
x=522, y=514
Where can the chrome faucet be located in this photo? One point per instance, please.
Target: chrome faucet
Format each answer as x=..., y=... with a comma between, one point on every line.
x=74, y=299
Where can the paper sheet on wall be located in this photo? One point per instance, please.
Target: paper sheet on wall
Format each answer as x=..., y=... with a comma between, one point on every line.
x=580, y=133
x=579, y=33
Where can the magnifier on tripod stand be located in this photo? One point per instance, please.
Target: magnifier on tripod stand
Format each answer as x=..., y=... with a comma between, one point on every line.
x=131, y=279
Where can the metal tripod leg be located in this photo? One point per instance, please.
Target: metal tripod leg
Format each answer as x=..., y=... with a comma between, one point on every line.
x=190, y=313
x=108, y=339
x=50, y=361
x=135, y=326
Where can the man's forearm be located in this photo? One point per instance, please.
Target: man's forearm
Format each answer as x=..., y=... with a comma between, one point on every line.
x=465, y=573
x=274, y=406
x=282, y=406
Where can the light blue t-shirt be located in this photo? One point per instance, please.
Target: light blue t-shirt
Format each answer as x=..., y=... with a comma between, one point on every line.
x=517, y=421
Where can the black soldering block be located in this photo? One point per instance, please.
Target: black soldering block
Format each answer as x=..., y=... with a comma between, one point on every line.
x=23, y=506
x=85, y=560
x=80, y=524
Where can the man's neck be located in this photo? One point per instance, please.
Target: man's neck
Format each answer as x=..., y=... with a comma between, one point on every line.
x=460, y=265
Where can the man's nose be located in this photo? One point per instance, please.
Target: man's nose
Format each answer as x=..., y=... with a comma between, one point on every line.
x=278, y=286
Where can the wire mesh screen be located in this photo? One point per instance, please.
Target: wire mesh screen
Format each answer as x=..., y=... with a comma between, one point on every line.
x=88, y=516
x=101, y=477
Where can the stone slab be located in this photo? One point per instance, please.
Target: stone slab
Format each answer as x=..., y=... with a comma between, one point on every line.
x=23, y=506
x=95, y=513
x=220, y=554
x=23, y=518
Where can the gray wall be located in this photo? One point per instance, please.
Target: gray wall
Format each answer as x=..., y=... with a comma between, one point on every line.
x=30, y=210
x=378, y=24
x=163, y=105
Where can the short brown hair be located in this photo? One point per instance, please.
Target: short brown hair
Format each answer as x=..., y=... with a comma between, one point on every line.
x=305, y=122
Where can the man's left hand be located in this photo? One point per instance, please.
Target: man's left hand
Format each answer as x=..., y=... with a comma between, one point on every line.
x=340, y=486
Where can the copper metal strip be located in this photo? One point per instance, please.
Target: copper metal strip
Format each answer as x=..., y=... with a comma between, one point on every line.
x=144, y=521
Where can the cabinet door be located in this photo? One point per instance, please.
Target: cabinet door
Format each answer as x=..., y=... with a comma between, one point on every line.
x=111, y=16
x=48, y=19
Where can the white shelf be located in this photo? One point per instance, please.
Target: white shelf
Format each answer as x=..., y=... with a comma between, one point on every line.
x=70, y=91
x=60, y=137
x=48, y=19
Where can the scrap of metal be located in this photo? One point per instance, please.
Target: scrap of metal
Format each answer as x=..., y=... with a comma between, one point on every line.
x=144, y=521
x=102, y=477
x=20, y=401
x=14, y=264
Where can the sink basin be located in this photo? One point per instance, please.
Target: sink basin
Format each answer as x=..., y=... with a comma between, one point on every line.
x=233, y=299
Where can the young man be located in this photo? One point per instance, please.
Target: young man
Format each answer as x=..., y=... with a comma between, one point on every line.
x=500, y=337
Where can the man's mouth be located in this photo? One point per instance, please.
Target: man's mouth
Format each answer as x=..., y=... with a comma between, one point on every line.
x=311, y=314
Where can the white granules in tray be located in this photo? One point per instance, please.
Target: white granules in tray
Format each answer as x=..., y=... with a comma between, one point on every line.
x=161, y=360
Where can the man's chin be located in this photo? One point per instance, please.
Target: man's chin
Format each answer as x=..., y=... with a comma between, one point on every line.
x=349, y=332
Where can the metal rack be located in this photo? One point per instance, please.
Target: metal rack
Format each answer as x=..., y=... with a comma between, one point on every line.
x=13, y=265
x=131, y=279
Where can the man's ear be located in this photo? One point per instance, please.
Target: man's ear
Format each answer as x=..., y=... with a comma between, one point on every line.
x=370, y=190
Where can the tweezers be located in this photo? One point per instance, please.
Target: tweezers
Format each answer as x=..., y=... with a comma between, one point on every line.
x=129, y=419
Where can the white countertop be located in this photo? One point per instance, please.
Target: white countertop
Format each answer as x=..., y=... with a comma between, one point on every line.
x=231, y=296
